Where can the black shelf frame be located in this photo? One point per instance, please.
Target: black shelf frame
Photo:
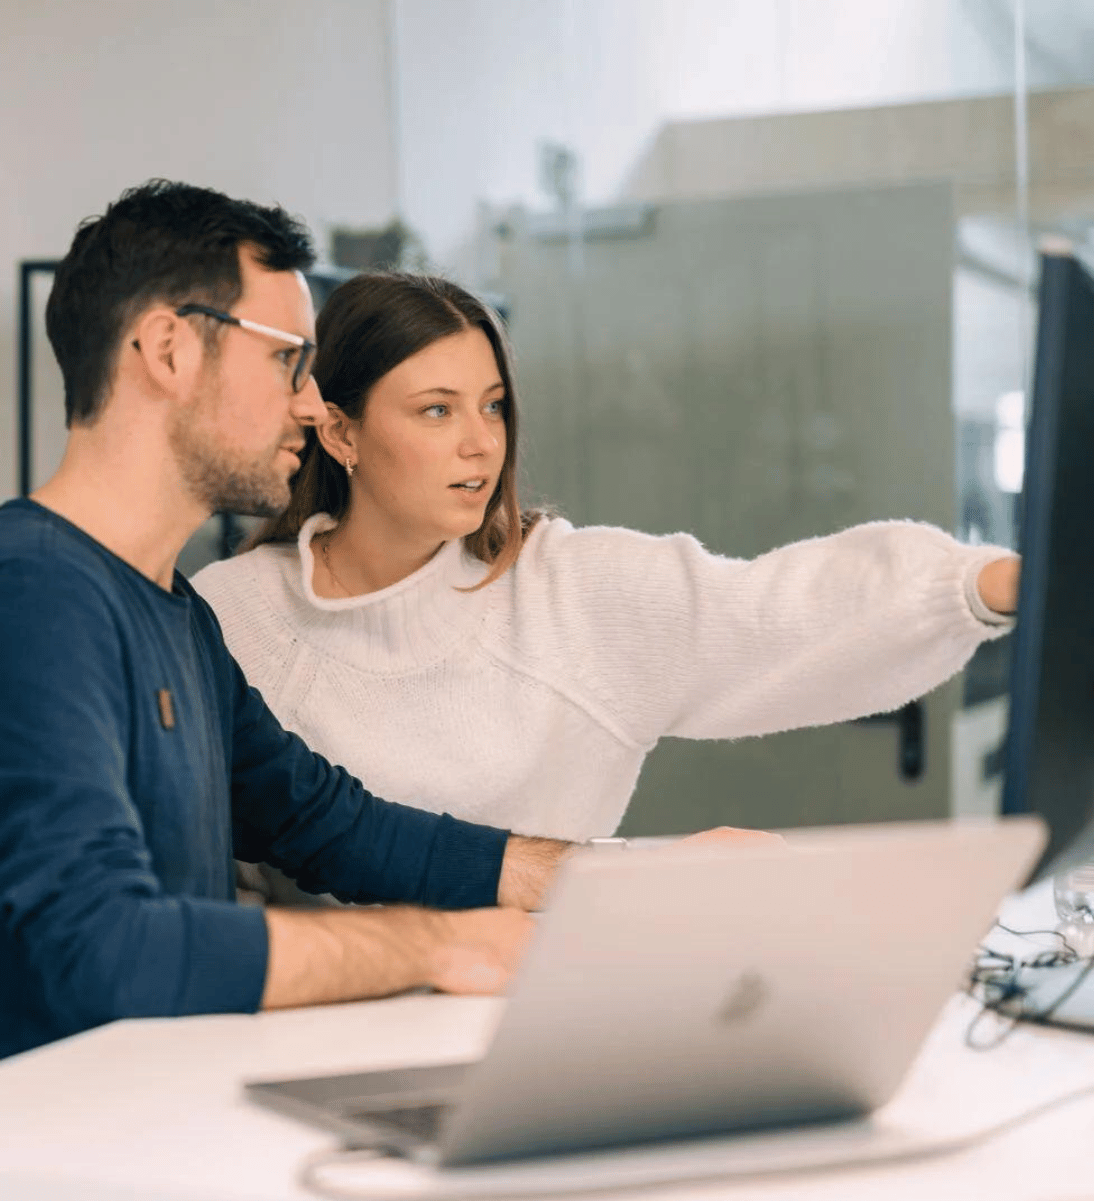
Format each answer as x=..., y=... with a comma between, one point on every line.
x=28, y=269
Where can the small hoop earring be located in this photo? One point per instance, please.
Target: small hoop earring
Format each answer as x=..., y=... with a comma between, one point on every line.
x=349, y=468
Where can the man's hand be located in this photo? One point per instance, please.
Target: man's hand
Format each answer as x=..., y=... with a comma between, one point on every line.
x=479, y=950
x=997, y=584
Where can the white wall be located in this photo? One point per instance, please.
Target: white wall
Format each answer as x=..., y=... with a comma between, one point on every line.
x=479, y=83
x=314, y=107
x=275, y=101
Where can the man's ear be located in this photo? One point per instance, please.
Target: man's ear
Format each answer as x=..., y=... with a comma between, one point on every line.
x=170, y=350
x=336, y=435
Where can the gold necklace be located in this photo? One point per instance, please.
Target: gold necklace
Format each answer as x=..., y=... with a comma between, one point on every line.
x=324, y=550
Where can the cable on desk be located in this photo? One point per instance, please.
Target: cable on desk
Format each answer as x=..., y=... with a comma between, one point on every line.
x=309, y=1175
x=995, y=980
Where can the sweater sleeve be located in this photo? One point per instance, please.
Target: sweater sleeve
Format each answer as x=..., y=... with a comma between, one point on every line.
x=668, y=639
x=84, y=921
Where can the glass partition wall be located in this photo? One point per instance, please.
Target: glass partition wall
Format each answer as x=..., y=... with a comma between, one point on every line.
x=768, y=271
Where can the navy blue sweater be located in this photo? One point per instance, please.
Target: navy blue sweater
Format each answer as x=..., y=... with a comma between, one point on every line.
x=134, y=761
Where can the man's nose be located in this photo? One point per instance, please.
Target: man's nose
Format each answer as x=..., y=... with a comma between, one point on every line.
x=307, y=404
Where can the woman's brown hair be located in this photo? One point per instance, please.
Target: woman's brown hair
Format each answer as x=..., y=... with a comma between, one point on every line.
x=369, y=325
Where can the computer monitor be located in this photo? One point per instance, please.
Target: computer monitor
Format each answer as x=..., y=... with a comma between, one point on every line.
x=1049, y=757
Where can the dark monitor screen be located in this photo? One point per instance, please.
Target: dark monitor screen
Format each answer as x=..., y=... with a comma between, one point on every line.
x=1049, y=760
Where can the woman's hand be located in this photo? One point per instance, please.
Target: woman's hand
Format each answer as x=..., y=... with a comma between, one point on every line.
x=998, y=584
x=732, y=836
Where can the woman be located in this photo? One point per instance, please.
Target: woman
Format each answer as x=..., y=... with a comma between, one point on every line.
x=409, y=621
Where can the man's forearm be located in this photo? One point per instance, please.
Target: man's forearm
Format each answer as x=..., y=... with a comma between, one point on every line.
x=529, y=868
x=320, y=957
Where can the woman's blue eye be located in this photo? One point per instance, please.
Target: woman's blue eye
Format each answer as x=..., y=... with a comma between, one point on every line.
x=495, y=407
x=437, y=410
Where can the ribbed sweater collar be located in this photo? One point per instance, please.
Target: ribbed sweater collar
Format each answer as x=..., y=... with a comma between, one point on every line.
x=420, y=619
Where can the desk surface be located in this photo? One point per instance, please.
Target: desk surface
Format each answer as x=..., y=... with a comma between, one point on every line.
x=153, y=1109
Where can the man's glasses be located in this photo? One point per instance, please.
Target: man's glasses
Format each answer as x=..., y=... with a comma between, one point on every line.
x=305, y=360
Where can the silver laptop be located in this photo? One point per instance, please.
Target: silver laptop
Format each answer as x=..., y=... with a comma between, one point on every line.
x=684, y=992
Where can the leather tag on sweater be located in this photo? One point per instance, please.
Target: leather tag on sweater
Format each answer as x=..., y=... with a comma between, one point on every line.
x=167, y=709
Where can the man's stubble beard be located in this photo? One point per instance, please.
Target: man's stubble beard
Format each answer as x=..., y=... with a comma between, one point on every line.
x=219, y=479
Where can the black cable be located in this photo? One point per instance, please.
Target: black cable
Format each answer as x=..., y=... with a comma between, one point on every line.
x=995, y=980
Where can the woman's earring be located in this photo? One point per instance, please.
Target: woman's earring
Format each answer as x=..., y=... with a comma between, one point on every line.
x=349, y=468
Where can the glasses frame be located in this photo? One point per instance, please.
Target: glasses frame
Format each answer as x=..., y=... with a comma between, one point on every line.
x=304, y=363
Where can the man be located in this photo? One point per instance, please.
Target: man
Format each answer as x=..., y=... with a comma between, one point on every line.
x=134, y=759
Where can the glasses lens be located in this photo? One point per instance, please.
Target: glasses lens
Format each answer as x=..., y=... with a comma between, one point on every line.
x=304, y=362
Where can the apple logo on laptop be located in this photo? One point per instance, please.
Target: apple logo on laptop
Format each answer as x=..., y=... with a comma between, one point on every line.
x=745, y=996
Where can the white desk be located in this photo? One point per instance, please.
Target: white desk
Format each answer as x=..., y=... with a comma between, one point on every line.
x=152, y=1110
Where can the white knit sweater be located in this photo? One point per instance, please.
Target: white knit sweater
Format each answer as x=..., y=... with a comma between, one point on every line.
x=532, y=703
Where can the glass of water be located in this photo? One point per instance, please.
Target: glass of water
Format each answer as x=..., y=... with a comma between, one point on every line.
x=1074, y=893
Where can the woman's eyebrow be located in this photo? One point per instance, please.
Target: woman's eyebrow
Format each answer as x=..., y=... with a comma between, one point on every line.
x=440, y=390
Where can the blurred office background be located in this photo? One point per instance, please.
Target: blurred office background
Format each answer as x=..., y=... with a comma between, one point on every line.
x=767, y=266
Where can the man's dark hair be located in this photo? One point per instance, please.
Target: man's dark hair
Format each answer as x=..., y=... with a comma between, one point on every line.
x=162, y=242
